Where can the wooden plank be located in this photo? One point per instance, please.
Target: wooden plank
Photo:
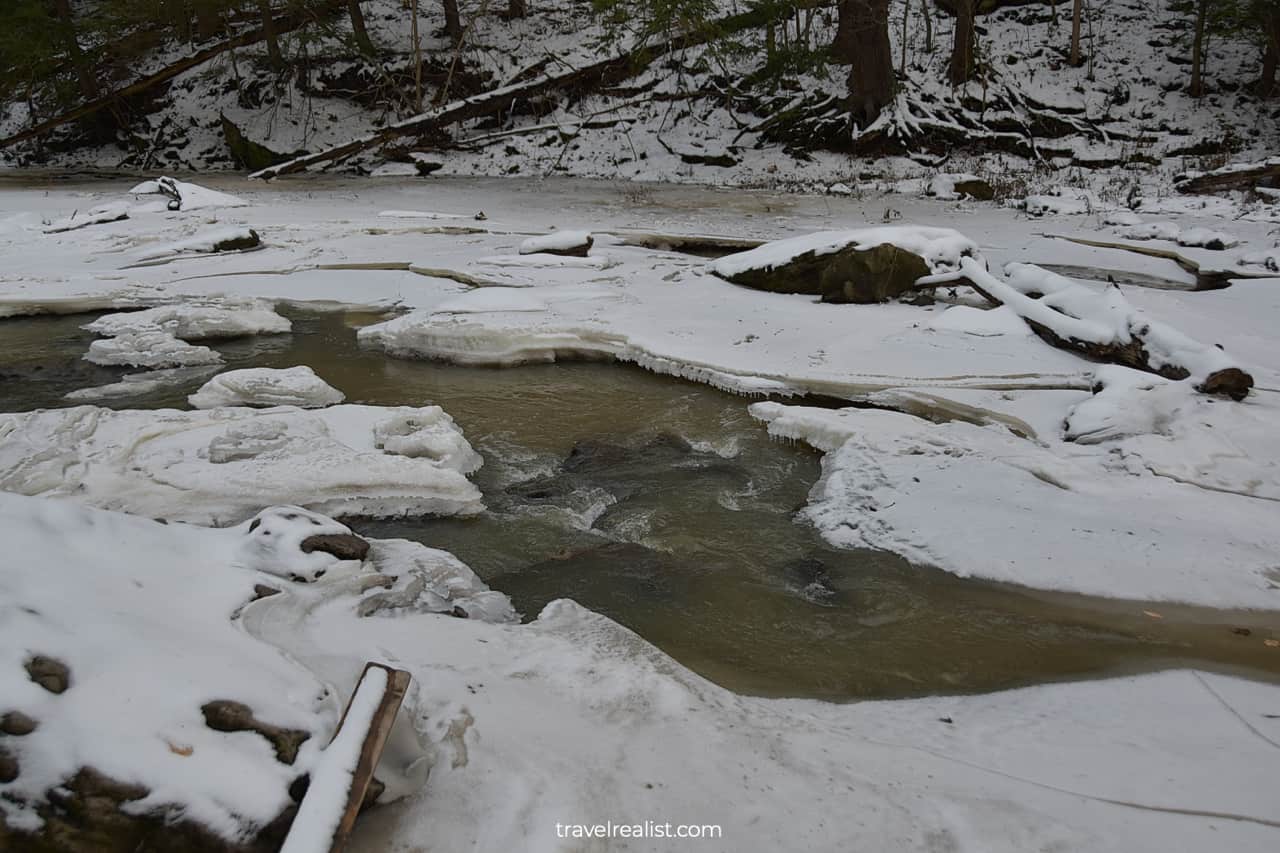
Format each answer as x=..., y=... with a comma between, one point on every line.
x=375, y=740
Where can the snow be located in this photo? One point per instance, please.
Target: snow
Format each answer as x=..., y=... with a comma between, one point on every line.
x=219, y=466
x=1152, y=231
x=325, y=803
x=205, y=241
x=97, y=216
x=265, y=387
x=151, y=348
x=526, y=724
x=556, y=241
x=1045, y=205
x=981, y=501
x=941, y=248
x=194, y=196
x=1207, y=238
x=980, y=322
x=193, y=321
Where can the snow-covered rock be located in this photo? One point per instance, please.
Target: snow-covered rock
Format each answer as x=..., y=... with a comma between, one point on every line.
x=222, y=465
x=940, y=248
x=190, y=196
x=575, y=243
x=1045, y=205
x=143, y=638
x=1152, y=231
x=263, y=387
x=231, y=238
x=151, y=348
x=195, y=321
x=1207, y=238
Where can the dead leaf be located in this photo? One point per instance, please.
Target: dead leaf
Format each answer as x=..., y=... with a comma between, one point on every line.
x=1272, y=643
x=1152, y=614
x=183, y=750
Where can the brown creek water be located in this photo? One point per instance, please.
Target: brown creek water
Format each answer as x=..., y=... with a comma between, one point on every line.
x=676, y=517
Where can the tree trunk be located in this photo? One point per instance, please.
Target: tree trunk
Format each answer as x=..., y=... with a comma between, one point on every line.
x=452, y=21
x=269, y=35
x=844, y=46
x=363, y=42
x=417, y=60
x=517, y=9
x=1267, y=87
x=962, y=48
x=1077, y=9
x=208, y=23
x=1196, y=89
x=863, y=39
x=88, y=84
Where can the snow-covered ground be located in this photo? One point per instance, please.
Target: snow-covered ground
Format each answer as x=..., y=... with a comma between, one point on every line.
x=1163, y=494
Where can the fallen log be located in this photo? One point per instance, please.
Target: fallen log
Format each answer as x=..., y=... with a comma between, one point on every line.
x=281, y=23
x=1266, y=174
x=1105, y=327
x=604, y=72
x=1205, y=280
x=344, y=773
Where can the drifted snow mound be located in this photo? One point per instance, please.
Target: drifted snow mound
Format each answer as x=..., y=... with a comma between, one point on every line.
x=149, y=348
x=195, y=322
x=940, y=248
x=117, y=633
x=264, y=387
x=980, y=501
x=219, y=466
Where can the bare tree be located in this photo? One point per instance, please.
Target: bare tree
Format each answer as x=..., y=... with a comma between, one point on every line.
x=1077, y=9
x=963, y=48
x=358, y=28
x=1196, y=89
x=862, y=41
x=269, y=34
x=88, y=83
x=452, y=21
x=1270, y=20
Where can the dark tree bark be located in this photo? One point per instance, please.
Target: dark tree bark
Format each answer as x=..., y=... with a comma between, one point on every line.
x=962, y=49
x=208, y=22
x=1267, y=87
x=452, y=21
x=84, y=73
x=269, y=35
x=862, y=41
x=1077, y=9
x=517, y=9
x=1196, y=89
x=358, y=29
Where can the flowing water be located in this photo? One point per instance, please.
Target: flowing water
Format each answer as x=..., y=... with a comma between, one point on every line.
x=665, y=506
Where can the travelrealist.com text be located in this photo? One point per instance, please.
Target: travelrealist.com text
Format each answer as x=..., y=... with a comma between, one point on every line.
x=645, y=829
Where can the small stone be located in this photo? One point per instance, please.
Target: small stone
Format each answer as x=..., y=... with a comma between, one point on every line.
x=8, y=767
x=50, y=673
x=344, y=546
x=17, y=723
x=225, y=715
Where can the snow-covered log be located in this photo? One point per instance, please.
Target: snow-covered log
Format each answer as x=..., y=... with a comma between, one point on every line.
x=573, y=244
x=345, y=769
x=1240, y=176
x=1104, y=326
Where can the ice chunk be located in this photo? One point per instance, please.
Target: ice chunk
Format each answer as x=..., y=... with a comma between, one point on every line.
x=195, y=321
x=149, y=348
x=265, y=387
x=227, y=239
x=135, y=384
x=222, y=465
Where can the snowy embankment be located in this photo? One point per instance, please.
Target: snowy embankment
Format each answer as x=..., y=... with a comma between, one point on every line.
x=132, y=651
x=521, y=725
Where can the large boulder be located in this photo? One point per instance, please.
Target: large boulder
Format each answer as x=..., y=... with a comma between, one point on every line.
x=863, y=266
